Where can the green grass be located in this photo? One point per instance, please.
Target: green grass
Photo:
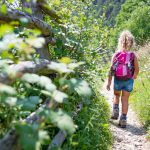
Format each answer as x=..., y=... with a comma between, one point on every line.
x=140, y=99
x=93, y=131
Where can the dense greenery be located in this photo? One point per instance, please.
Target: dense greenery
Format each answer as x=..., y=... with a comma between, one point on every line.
x=134, y=16
x=74, y=62
x=109, y=8
x=140, y=98
x=93, y=131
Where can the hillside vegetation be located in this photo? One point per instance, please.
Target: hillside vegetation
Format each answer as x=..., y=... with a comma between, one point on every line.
x=109, y=8
x=140, y=98
x=134, y=16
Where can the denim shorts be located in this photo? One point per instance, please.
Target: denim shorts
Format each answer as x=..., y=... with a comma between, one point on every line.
x=126, y=85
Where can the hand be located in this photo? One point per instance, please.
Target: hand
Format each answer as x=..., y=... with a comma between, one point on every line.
x=108, y=87
x=134, y=77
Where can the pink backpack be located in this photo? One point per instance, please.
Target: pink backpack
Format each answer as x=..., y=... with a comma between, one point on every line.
x=123, y=65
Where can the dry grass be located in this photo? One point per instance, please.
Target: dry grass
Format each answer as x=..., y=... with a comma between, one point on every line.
x=143, y=52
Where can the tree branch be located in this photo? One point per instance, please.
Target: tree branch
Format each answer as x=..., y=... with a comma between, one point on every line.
x=44, y=6
x=32, y=22
x=39, y=67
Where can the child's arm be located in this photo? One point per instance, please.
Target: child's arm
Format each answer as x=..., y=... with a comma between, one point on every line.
x=136, y=67
x=110, y=74
x=109, y=81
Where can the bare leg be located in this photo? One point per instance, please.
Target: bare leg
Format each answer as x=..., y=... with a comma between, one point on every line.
x=115, y=113
x=116, y=97
x=124, y=100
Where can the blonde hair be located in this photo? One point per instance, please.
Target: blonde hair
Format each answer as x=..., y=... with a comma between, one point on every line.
x=126, y=41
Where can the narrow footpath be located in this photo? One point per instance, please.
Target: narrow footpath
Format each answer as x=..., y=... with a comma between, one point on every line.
x=133, y=137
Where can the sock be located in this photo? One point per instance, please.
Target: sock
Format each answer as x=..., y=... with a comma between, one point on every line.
x=115, y=106
x=123, y=116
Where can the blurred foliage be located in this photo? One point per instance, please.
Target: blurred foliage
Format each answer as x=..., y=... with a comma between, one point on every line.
x=140, y=98
x=134, y=16
x=110, y=9
x=83, y=32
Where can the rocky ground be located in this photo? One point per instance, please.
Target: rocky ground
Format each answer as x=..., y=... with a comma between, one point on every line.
x=133, y=137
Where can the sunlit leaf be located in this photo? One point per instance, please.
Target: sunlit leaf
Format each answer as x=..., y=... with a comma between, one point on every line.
x=31, y=78
x=11, y=101
x=59, y=96
x=5, y=89
x=60, y=67
x=5, y=29
x=65, y=60
x=28, y=10
x=46, y=83
x=43, y=136
x=3, y=8
x=75, y=65
x=36, y=42
x=80, y=86
x=63, y=121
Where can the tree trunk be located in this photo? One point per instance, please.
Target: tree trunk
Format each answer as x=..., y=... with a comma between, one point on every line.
x=37, y=12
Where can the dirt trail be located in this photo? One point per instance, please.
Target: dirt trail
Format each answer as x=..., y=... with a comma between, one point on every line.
x=131, y=138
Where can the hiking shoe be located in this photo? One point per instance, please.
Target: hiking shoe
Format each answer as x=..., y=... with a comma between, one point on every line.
x=115, y=113
x=123, y=122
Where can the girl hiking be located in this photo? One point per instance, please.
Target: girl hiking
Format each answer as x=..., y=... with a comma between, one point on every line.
x=124, y=68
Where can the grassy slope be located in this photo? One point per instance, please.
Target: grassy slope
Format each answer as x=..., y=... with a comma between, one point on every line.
x=140, y=98
x=93, y=131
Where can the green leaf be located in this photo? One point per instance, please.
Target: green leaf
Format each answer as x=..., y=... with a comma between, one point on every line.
x=43, y=136
x=80, y=86
x=31, y=78
x=24, y=21
x=63, y=121
x=75, y=65
x=65, y=60
x=5, y=29
x=3, y=8
x=34, y=99
x=5, y=89
x=36, y=42
x=58, y=118
x=46, y=83
x=60, y=67
x=29, y=103
x=28, y=10
x=59, y=96
x=11, y=101
x=29, y=136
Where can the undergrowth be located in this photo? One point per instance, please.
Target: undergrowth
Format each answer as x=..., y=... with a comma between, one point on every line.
x=93, y=127
x=140, y=98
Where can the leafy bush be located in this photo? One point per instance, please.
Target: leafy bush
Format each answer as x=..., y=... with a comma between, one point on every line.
x=77, y=35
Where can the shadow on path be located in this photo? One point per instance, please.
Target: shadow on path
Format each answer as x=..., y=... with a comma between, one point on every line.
x=130, y=128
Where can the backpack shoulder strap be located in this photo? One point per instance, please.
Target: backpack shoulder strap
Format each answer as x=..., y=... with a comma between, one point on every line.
x=116, y=55
x=130, y=56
